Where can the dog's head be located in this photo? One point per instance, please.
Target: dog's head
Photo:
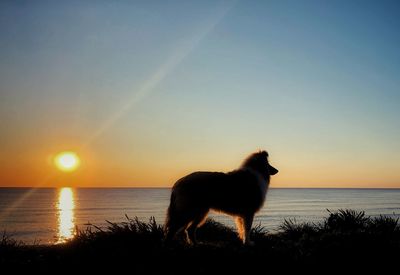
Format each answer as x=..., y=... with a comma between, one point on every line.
x=259, y=161
x=264, y=158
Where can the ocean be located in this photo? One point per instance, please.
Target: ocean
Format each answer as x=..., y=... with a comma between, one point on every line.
x=49, y=215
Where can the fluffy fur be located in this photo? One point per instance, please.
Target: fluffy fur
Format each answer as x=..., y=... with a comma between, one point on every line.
x=240, y=193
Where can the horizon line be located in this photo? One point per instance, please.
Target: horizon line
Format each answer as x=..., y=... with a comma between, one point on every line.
x=166, y=187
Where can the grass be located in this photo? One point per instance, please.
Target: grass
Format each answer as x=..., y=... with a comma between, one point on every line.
x=345, y=239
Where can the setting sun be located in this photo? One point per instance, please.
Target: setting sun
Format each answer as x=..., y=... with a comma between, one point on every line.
x=67, y=161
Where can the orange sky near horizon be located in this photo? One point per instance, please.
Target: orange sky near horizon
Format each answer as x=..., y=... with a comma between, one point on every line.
x=160, y=170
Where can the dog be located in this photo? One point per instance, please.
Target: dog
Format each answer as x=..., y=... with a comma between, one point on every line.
x=239, y=193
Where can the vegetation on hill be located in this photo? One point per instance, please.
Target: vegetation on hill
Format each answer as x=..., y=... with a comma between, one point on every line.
x=344, y=240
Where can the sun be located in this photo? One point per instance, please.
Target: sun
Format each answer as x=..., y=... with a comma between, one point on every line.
x=67, y=161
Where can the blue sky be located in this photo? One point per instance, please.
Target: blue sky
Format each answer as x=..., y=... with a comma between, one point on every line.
x=193, y=85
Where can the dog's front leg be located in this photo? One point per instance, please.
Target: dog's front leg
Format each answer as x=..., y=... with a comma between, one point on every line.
x=248, y=221
x=240, y=227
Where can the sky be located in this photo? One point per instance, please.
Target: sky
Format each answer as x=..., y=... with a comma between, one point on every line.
x=148, y=91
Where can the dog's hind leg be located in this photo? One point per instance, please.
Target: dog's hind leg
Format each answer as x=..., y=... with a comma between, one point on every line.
x=175, y=228
x=197, y=222
x=170, y=233
x=179, y=221
x=175, y=222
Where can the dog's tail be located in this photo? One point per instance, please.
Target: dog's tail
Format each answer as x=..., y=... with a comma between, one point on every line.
x=170, y=217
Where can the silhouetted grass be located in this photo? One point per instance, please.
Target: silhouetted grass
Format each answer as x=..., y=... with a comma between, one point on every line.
x=345, y=240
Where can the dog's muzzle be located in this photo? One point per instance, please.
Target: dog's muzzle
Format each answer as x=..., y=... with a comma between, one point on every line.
x=272, y=170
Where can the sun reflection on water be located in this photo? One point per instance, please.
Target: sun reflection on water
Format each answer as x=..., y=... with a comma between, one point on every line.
x=66, y=220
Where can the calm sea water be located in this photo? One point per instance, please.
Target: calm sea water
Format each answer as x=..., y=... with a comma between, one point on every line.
x=51, y=215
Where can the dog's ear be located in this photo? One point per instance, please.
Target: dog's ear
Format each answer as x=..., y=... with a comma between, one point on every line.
x=263, y=154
